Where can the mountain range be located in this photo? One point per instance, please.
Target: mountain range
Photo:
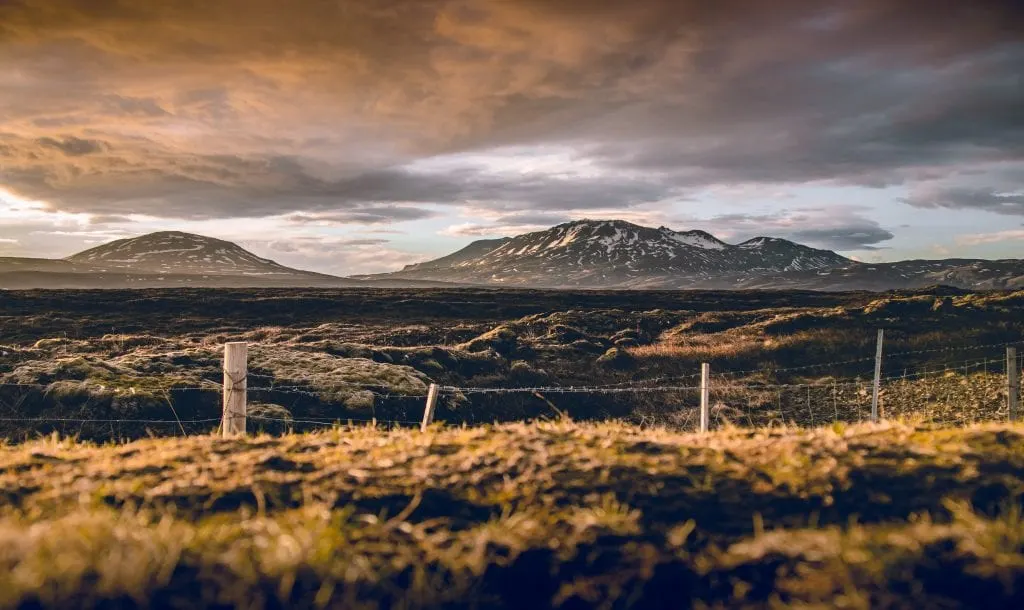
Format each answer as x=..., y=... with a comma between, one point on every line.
x=619, y=254
x=611, y=254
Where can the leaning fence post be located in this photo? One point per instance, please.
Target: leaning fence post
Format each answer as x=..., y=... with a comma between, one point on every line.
x=705, y=395
x=1012, y=383
x=235, y=372
x=878, y=376
x=428, y=410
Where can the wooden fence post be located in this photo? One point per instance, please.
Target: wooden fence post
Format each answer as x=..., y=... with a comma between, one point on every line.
x=1012, y=383
x=428, y=410
x=235, y=372
x=878, y=377
x=705, y=396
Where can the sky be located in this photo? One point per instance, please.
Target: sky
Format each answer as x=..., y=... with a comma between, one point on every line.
x=350, y=136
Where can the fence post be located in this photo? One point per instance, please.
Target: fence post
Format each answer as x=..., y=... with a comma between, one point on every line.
x=428, y=410
x=1012, y=383
x=235, y=372
x=705, y=395
x=878, y=377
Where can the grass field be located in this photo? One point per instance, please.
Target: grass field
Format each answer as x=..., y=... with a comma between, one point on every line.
x=520, y=516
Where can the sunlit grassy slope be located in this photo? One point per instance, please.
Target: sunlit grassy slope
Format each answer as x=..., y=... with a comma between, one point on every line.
x=520, y=516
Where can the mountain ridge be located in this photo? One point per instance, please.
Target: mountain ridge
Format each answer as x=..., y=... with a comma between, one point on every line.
x=611, y=252
x=598, y=254
x=616, y=254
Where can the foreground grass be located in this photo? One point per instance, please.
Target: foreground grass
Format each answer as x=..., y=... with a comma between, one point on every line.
x=520, y=516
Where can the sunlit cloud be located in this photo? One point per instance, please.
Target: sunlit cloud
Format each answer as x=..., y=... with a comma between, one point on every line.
x=447, y=120
x=991, y=238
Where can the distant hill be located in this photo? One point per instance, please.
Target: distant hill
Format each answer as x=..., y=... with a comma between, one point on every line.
x=619, y=254
x=172, y=258
x=182, y=253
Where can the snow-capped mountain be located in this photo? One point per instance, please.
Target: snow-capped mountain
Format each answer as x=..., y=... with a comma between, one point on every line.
x=180, y=253
x=618, y=254
x=615, y=253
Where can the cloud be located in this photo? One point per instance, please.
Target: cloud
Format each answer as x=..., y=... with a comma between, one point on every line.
x=325, y=112
x=138, y=174
x=334, y=254
x=862, y=237
x=364, y=215
x=990, y=238
x=72, y=146
x=835, y=228
x=966, y=198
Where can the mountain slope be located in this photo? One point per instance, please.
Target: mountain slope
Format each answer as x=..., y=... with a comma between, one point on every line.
x=616, y=253
x=181, y=253
x=472, y=251
x=169, y=259
x=974, y=274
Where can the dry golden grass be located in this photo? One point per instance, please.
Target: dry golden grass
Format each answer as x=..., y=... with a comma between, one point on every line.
x=520, y=516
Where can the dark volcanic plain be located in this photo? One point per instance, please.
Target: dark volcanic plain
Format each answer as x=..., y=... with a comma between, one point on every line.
x=369, y=354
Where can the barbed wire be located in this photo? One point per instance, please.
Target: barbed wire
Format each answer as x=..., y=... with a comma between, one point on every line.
x=331, y=422
x=305, y=390
x=313, y=391
x=107, y=421
x=562, y=390
x=787, y=369
x=779, y=386
x=965, y=366
x=966, y=348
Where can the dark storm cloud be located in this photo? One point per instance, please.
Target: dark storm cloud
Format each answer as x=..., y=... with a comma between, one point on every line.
x=133, y=175
x=260, y=107
x=985, y=200
x=72, y=146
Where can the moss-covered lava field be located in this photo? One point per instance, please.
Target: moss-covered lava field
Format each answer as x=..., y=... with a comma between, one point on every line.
x=105, y=365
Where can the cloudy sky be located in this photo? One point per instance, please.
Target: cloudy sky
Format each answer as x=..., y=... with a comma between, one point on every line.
x=353, y=136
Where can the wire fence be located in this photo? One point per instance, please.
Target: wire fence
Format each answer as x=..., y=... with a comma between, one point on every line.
x=956, y=392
